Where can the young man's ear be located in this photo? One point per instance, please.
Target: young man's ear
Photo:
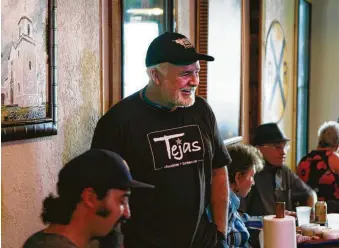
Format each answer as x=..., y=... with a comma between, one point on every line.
x=89, y=197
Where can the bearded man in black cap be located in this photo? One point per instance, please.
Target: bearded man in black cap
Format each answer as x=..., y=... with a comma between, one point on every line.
x=93, y=191
x=169, y=138
x=276, y=182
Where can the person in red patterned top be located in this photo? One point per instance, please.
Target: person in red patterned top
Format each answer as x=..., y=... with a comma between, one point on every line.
x=320, y=168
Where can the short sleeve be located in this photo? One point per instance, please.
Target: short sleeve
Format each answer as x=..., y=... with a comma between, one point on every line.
x=298, y=187
x=108, y=134
x=221, y=156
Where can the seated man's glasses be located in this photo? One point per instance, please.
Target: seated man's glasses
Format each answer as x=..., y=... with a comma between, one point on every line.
x=278, y=146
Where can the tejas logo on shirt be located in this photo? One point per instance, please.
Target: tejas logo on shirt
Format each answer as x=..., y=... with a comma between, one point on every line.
x=176, y=147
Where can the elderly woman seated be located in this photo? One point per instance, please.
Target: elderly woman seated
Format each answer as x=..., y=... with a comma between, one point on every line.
x=246, y=161
x=320, y=168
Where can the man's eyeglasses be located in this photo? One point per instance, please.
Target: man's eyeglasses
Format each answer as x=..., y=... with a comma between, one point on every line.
x=284, y=147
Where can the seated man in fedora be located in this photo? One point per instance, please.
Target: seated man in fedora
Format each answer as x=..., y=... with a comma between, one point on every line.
x=276, y=182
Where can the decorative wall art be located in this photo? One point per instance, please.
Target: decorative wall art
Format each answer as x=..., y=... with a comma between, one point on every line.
x=28, y=69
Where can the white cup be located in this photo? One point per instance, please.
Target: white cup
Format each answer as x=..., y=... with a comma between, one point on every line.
x=333, y=221
x=303, y=215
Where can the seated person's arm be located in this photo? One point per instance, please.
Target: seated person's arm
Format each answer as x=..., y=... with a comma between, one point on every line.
x=333, y=161
x=299, y=188
x=252, y=221
x=237, y=233
x=312, y=199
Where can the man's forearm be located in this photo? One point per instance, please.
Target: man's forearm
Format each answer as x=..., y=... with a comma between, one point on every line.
x=219, y=198
x=312, y=199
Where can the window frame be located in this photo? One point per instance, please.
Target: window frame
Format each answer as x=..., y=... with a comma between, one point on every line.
x=112, y=49
x=202, y=25
x=301, y=103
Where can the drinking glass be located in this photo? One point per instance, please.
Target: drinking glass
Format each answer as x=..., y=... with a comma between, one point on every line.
x=303, y=215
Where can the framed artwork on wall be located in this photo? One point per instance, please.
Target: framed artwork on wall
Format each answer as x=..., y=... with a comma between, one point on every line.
x=275, y=87
x=278, y=68
x=28, y=69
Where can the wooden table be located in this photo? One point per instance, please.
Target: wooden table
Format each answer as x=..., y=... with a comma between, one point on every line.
x=320, y=244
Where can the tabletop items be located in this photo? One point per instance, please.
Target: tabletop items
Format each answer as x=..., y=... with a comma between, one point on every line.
x=321, y=213
x=279, y=230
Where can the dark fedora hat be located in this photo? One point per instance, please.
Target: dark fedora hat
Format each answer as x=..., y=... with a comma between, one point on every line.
x=268, y=133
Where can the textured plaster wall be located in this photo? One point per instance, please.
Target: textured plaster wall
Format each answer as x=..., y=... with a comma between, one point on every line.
x=324, y=84
x=30, y=168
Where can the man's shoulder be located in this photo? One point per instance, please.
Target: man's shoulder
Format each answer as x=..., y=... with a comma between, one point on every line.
x=202, y=105
x=33, y=240
x=201, y=101
x=291, y=176
x=125, y=102
x=286, y=168
x=289, y=172
x=50, y=240
x=262, y=180
x=263, y=173
x=123, y=107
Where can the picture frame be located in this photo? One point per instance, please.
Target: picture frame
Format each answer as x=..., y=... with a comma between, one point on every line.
x=29, y=81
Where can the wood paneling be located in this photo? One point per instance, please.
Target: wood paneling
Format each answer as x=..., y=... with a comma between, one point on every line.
x=202, y=43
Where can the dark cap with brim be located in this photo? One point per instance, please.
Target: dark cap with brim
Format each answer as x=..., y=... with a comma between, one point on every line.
x=99, y=169
x=269, y=133
x=136, y=184
x=173, y=48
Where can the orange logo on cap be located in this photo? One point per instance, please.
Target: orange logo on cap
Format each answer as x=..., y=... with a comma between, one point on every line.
x=184, y=42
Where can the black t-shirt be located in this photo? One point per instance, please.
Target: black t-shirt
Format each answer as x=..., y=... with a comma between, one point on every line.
x=175, y=151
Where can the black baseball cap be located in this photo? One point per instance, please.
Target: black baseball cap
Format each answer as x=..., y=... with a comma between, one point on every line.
x=268, y=133
x=98, y=169
x=174, y=48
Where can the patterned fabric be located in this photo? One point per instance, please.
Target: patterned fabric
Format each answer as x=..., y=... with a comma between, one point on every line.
x=314, y=170
x=237, y=233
